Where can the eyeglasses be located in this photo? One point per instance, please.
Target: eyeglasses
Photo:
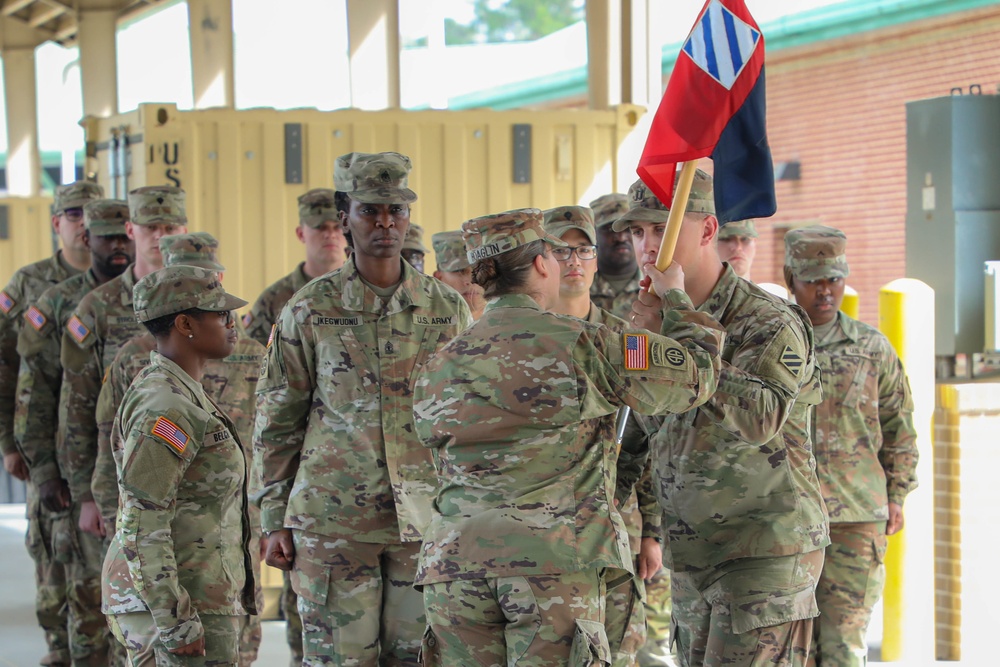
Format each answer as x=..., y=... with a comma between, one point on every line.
x=584, y=252
x=74, y=214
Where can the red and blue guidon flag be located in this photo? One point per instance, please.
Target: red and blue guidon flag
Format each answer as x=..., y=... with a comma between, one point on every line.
x=714, y=106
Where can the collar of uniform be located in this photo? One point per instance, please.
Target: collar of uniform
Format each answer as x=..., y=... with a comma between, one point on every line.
x=299, y=277
x=511, y=301
x=722, y=293
x=602, y=287
x=185, y=379
x=60, y=269
x=90, y=278
x=848, y=325
x=355, y=295
x=127, y=279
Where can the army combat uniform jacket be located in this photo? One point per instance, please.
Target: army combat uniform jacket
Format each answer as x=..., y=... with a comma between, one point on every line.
x=27, y=285
x=229, y=382
x=334, y=439
x=620, y=303
x=737, y=476
x=526, y=460
x=40, y=376
x=182, y=545
x=265, y=310
x=863, y=430
x=101, y=324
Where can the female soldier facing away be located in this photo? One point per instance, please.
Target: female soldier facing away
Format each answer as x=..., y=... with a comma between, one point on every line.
x=521, y=407
x=177, y=577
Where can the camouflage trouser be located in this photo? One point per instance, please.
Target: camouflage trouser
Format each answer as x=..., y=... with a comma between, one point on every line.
x=625, y=619
x=138, y=633
x=250, y=636
x=750, y=611
x=357, y=601
x=656, y=652
x=50, y=582
x=293, y=622
x=849, y=587
x=538, y=621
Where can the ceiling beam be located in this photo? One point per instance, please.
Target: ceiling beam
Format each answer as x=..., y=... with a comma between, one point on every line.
x=14, y=6
x=43, y=12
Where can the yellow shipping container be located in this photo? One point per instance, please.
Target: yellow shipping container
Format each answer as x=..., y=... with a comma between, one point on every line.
x=25, y=233
x=243, y=170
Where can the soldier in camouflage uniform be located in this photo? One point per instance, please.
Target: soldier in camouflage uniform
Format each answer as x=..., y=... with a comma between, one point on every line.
x=38, y=385
x=347, y=488
x=27, y=284
x=743, y=513
x=413, y=247
x=229, y=382
x=864, y=441
x=617, y=283
x=102, y=323
x=738, y=245
x=454, y=270
x=177, y=578
x=326, y=250
x=625, y=617
x=520, y=409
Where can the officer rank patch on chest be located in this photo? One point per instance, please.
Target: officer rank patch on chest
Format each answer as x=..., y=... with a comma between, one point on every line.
x=636, y=352
x=6, y=303
x=77, y=329
x=35, y=318
x=171, y=433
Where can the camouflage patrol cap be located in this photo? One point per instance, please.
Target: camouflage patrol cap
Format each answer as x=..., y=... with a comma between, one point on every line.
x=644, y=206
x=374, y=178
x=75, y=195
x=496, y=234
x=173, y=289
x=414, y=239
x=561, y=219
x=745, y=228
x=157, y=205
x=105, y=217
x=197, y=249
x=317, y=206
x=449, y=251
x=816, y=252
x=608, y=208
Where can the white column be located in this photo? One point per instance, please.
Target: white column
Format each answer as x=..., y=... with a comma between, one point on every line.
x=212, y=62
x=604, y=53
x=642, y=60
x=23, y=159
x=99, y=62
x=374, y=49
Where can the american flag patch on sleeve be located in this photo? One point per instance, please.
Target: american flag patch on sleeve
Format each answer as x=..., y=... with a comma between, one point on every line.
x=636, y=352
x=171, y=434
x=35, y=318
x=247, y=319
x=77, y=330
x=6, y=303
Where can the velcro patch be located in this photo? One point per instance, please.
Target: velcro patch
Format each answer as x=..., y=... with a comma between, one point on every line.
x=791, y=360
x=270, y=338
x=247, y=319
x=35, y=318
x=322, y=321
x=77, y=329
x=636, y=352
x=171, y=433
x=6, y=303
x=432, y=320
x=666, y=356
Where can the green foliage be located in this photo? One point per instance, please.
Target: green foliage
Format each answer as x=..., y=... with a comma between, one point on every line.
x=514, y=20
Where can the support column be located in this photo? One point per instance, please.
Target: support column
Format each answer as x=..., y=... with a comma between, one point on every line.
x=21, y=94
x=604, y=53
x=99, y=62
x=212, y=62
x=642, y=59
x=374, y=49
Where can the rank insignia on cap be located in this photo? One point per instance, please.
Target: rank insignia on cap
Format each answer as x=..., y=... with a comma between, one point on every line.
x=35, y=318
x=791, y=360
x=77, y=330
x=247, y=319
x=171, y=434
x=636, y=352
x=270, y=338
x=6, y=303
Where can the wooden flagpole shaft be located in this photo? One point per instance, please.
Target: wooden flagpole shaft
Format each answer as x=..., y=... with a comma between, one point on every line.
x=677, y=206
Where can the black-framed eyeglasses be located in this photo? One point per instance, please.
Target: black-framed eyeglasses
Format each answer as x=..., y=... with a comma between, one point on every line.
x=584, y=252
x=73, y=214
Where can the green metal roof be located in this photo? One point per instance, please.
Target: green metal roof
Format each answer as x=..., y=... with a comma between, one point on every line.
x=840, y=20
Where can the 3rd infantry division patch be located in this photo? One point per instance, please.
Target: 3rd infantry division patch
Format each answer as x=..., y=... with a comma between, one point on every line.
x=791, y=360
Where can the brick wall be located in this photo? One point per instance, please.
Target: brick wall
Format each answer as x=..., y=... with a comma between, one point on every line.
x=838, y=107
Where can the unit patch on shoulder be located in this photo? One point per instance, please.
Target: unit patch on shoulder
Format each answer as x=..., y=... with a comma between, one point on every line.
x=77, y=329
x=636, y=352
x=791, y=360
x=6, y=303
x=247, y=319
x=171, y=434
x=662, y=355
x=35, y=318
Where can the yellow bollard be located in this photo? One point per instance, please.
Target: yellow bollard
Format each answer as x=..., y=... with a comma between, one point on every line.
x=851, y=305
x=906, y=318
